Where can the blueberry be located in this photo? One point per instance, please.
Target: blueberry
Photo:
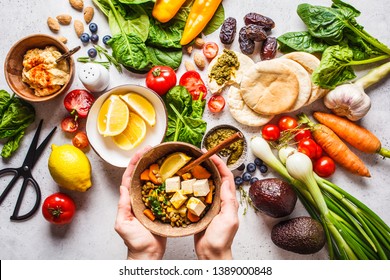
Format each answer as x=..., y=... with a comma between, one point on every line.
x=106, y=38
x=84, y=37
x=253, y=179
x=251, y=167
x=238, y=181
x=246, y=176
x=263, y=168
x=93, y=27
x=94, y=38
x=241, y=167
x=258, y=162
x=92, y=52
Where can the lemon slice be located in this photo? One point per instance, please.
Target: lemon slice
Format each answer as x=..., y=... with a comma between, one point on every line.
x=172, y=164
x=113, y=116
x=133, y=134
x=141, y=106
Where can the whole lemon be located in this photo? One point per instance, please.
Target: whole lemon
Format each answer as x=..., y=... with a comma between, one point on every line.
x=70, y=167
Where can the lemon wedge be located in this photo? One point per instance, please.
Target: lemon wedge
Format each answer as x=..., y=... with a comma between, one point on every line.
x=133, y=134
x=141, y=106
x=172, y=164
x=113, y=116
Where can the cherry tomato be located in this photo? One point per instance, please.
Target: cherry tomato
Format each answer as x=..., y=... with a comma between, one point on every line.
x=58, y=208
x=324, y=166
x=69, y=124
x=80, y=140
x=310, y=148
x=161, y=79
x=210, y=50
x=303, y=133
x=216, y=103
x=194, y=84
x=287, y=122
x=270, y=132
x=78, y=102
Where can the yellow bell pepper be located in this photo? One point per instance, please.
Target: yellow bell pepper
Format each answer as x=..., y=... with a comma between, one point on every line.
x=201, y=13
x=165, y=10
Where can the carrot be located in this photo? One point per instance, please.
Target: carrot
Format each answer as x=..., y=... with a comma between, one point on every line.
x=153, y=171
x=148, y=213
x=336, y=148
x=192, y=217
x=357, y=136
x=199, y=172
x=145, y=175
x=209, y=197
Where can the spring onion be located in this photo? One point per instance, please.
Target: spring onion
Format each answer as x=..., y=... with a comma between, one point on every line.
x=353, y=231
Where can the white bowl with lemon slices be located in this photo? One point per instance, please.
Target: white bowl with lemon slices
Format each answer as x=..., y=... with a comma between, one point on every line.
x=125, y=119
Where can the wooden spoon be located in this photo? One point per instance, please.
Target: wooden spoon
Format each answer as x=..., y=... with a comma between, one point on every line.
x=68, y=54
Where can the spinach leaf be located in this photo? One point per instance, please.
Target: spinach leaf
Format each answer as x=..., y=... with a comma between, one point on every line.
x=5, y=98
x=161, y=56
x=165, y=35
x=135, y=1
x=301, y=41
x=216, y=21
x=12, y=144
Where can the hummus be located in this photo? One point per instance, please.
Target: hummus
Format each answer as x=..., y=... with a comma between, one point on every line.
x=41, y=71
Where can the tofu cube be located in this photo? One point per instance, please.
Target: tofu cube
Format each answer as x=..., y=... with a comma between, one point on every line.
x=195, y=206
x=201, y=187
x=186, y=186
x=178, y=199
x=172, y=184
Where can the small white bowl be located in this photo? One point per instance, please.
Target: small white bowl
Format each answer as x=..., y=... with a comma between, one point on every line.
x=105, y=146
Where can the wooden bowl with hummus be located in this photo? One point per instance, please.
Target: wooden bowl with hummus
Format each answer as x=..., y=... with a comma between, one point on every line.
x=31, y=69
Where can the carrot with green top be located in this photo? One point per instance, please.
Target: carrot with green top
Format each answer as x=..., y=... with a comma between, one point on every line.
x=335, y=147
x=357, y=136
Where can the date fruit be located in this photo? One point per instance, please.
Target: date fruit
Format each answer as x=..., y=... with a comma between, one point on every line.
x=247, y=45
x=256, y=32
x=268, y=49
x=228, y=31
x=255, y=18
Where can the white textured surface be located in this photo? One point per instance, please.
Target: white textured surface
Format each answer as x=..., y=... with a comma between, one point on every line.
x=91, y=235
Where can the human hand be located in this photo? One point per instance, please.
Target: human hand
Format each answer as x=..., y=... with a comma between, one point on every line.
x=215, y=242
x=141, y=243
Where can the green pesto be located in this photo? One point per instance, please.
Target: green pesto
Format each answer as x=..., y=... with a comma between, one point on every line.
x=222, y=70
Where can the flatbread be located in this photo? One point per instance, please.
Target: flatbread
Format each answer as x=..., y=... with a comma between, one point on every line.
x=241, y=112
x=245, y=63
x=310, y=63
x=270, y=87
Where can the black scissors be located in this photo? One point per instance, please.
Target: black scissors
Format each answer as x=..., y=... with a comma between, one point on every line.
x=24, y=171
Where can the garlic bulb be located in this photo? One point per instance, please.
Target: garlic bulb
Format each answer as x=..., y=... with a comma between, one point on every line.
x=349, y=101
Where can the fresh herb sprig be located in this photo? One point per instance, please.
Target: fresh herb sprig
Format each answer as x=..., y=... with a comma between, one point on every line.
x=101, y=51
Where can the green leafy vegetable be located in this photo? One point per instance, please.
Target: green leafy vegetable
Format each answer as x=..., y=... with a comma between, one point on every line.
x=185, y=121
x=301, y=41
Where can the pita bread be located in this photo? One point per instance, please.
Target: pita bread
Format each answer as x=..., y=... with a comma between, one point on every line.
x=245, y=63
x=310, y=63
x=270, y=87
x=241, y=112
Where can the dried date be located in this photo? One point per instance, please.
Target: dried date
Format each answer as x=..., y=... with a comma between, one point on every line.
x=256, y=32
x=255, y=18
x=268, y=49
x=228, y=31
x=247, y=45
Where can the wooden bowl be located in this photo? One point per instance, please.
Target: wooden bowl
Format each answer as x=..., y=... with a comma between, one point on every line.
x=158, y=227
x=13, y=66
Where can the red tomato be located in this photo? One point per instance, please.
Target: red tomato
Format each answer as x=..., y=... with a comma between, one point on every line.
x=310, y=148
x=324, y=166
x=270, y=132
x=69, y=124
x=58, y=208
x=303, y=133
x=210, y=50
x=216, y=103
x=161, y=79
x=194, y=84
x=80, y=140
x=287, y=122
x=78, y=102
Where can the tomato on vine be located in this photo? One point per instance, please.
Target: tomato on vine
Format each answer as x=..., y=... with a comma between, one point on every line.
x=324, y=166
x=287, y=122
x=270, y=132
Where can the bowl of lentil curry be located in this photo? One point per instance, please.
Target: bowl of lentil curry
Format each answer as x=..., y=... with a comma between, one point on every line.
x=166, y=206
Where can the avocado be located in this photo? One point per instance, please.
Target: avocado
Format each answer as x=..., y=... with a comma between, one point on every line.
x=302, y=235
x=273, y=197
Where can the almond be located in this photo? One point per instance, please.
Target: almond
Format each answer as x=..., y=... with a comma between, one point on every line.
x=199, y=60
x=88, y=14
x=62, y=39
x=199, y=43
x=77, y=4
x=189, y=66
x=64, y=19
x=189, y=49
x=78, y=27
x=53, y=24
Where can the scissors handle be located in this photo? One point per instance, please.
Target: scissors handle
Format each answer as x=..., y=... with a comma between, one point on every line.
x=15, y=216
x=13, y=171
